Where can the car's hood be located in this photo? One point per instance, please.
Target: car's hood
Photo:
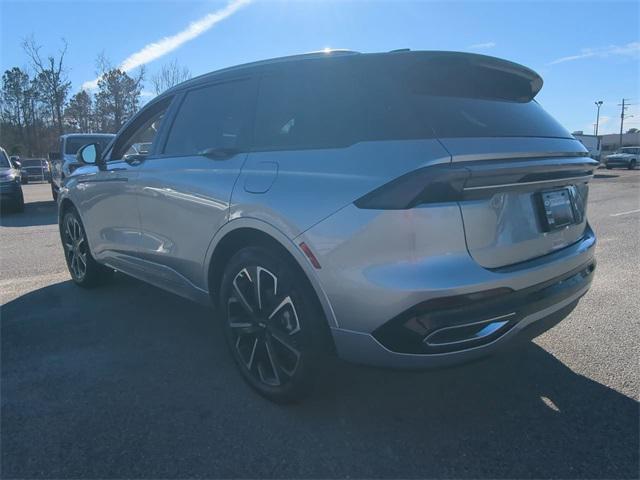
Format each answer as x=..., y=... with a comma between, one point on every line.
x=620, y=155
x=5, y=171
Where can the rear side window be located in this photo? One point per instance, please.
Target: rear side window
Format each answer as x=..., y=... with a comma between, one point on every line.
x=338, y=103
x=214, y=117
x=309, y=109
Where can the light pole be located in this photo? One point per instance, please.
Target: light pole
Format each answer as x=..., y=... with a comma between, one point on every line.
x=598, y=104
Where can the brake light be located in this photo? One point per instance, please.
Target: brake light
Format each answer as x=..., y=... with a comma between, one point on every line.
x=436, y=184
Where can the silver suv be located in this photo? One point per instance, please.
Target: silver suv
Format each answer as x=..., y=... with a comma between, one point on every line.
x=401, y=209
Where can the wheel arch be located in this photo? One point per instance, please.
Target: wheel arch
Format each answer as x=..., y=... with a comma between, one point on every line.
x=64, y=206
x=244, y=232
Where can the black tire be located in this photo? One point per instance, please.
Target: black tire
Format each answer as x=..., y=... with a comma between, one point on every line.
x=54, y=192
x=632, y=164
x=84, y=270
x=279, y=338
x=18, y=205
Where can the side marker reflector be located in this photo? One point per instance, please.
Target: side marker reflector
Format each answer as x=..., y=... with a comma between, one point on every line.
x=312, y=258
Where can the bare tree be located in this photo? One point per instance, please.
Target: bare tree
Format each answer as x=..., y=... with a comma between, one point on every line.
x=170, y=74
x=52, y=78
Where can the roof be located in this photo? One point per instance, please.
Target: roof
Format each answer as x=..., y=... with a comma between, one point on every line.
x=505, y=65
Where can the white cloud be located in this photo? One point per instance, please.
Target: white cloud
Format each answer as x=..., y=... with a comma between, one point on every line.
x=482, y=46
x=590, y=128
x=165, y=45
x=630, y=50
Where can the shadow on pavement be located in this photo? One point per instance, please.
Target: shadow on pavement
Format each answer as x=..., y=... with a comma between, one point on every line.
x=35, y=213
x=127, y=381
x=605, y=175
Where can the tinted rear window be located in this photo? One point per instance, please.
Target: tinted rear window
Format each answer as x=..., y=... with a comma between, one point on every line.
x=338, y=103
x=32, y=163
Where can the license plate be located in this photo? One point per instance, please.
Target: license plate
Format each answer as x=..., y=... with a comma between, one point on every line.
x=556, y=209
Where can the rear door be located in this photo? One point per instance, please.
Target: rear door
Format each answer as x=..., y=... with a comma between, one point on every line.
x=186, y=189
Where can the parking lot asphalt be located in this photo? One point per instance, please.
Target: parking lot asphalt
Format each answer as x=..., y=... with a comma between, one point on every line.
x=129, y=381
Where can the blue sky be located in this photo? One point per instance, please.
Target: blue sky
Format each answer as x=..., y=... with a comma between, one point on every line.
x=585, y=51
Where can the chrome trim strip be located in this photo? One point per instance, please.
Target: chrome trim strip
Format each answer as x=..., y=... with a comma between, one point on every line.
x=482, y=322
x=537, y=182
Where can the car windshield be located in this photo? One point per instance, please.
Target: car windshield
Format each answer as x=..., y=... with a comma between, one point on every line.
x=4, y=161
x=73, y=144
x=32, y=163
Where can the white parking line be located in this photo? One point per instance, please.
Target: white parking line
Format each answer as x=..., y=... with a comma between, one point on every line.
x=625, y=213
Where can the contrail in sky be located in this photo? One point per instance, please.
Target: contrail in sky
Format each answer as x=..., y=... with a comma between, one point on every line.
x=165, y=45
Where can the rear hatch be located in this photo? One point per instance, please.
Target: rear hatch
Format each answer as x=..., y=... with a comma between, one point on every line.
x=519, y=177
x=523, y=198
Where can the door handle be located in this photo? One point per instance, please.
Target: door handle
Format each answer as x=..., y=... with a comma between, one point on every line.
x=135, y=160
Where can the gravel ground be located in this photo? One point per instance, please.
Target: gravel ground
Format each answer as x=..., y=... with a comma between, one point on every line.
x=129, y=381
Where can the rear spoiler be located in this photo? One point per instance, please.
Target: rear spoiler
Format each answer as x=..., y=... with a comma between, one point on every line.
x=470, y=75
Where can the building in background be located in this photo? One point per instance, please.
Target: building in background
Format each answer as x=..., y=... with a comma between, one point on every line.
x=611, y=142
x=604, y=144
x=590, y=142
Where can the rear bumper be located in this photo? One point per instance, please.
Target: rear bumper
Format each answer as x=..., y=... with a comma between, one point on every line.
x=533, y=297
x=549, y=306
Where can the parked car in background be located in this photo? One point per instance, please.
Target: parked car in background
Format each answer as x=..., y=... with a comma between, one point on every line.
x=403, y=209
x=627, y=157
x=10, y=183
x=63, y=162
x=35, y=169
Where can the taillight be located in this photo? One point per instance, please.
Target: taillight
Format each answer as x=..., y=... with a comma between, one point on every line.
x=437, y=184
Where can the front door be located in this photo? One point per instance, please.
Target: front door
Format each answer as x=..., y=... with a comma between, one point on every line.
x=110, y=195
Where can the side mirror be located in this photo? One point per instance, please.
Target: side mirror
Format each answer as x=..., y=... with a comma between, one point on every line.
x=89, y=154
x=17, y=164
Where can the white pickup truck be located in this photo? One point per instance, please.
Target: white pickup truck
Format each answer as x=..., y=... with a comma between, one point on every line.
x=627, y=157
x=63, y=162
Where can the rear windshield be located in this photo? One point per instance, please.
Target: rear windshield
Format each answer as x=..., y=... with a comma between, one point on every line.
x=341, y=103
x=73, y=144
x=32, y=163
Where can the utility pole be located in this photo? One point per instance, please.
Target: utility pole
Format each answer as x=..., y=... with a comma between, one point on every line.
x=624, y=105
x=598, y=104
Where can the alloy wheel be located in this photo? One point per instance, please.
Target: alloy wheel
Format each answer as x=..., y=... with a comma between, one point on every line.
x=76, y=247
x=264, y=326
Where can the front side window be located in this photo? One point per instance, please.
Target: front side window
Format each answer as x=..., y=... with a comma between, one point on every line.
x=140, y=137
x=216, y=117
